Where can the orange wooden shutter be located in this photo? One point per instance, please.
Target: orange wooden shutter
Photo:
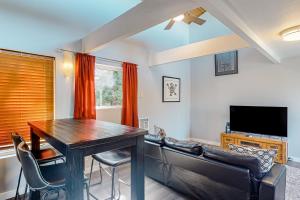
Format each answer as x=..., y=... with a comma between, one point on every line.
x=26, y=93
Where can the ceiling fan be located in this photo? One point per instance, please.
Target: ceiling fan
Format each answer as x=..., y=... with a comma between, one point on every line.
x=188, y=17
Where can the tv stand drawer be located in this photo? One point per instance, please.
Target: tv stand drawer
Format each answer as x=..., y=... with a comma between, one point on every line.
x=227, y=141
x=258, y=142
x=252, y=144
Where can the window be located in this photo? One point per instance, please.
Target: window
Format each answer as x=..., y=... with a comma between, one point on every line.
x=108, y=86
x=26, y=93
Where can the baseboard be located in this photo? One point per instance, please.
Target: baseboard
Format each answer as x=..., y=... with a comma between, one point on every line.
x=8, y=194
x=206, y=141
x=296, y=159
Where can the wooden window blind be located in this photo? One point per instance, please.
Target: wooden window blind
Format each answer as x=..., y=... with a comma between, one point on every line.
x=26, y=93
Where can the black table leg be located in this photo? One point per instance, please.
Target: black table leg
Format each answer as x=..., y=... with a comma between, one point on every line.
x=137, y=170
x=35, y=148
x=74, y=175
x=35, y=142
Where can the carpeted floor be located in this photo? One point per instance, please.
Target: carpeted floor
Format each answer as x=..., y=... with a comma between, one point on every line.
x=292, y=183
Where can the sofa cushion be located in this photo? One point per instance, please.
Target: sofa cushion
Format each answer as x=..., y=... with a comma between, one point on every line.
x=154, y=138
x=242, y=160
x=265, y=156
x=183, y=145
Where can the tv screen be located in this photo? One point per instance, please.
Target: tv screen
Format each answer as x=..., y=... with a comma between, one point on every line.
x=261, y=120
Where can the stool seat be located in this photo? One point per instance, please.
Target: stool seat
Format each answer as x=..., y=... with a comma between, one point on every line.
x=113, y=158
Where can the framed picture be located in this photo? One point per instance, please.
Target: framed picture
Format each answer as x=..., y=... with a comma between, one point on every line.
x=170, y=89
x=226, y=63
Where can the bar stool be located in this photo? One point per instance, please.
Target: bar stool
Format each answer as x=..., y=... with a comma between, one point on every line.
x=44, y=156
x=113, y=159
x=46, y=178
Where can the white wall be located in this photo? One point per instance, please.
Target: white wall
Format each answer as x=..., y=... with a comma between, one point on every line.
x=123, y=51
x=9, y=171
x=174, y=117
x=64, y=88
x=259, y=82
x=109, y=114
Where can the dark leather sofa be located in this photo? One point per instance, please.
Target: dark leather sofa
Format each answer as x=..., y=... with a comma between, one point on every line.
x=211, y=174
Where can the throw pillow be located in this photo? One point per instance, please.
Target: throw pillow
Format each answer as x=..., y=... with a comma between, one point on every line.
x=184, y=145
x=265, y=156
x=242, y=160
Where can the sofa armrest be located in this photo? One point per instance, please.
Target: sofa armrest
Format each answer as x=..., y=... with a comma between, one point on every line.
x=272, y=186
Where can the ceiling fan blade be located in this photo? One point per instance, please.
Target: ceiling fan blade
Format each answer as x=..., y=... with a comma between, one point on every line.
x=187, y=19
x=197, y=20
x=197, y=12
x=170, y=24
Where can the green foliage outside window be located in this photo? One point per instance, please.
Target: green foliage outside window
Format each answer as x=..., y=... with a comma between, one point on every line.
x=108, y=88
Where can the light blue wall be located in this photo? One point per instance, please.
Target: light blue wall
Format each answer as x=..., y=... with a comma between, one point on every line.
x=174, y=117
x=259, y=82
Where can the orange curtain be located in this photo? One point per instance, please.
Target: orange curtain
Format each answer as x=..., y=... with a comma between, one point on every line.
x=85, y=103
x=129, y=101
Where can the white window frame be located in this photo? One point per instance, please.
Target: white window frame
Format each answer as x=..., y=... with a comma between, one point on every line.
x=109, y=68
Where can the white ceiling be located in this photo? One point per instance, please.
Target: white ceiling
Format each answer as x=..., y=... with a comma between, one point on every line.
x=41, y=26
x=158, y=39
x=267, y=18
x=44, y=25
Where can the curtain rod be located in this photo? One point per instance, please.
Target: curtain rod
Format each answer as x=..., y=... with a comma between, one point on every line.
x=25, y=53
x=97, y=57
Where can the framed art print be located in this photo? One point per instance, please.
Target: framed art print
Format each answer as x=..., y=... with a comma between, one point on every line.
x=170, y=89
x=226, y=63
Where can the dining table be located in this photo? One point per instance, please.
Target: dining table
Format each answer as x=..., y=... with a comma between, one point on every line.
x=76, y=139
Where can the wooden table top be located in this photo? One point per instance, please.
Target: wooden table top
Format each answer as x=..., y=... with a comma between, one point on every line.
x=72, y=132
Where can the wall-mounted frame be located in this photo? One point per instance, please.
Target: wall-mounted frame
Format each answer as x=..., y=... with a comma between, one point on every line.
x=226, y=63
x=170, y=89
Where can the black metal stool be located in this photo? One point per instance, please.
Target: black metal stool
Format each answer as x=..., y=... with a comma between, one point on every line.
x=45, y=156
x=113, y=159
x=48, y=178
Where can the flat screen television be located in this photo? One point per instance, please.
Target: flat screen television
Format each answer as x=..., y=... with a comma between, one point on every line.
x=258, y=119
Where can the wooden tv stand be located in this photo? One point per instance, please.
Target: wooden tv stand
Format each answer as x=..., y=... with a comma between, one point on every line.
x=260, y=142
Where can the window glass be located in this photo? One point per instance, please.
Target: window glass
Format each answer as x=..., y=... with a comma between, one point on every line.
x=108, y=85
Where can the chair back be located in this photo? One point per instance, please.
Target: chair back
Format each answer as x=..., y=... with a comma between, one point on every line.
x=17, y=139
x=31, y=168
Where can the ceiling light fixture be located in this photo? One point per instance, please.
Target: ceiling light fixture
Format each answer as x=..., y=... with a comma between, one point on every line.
x=179, y=18
x=291, y=34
